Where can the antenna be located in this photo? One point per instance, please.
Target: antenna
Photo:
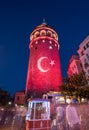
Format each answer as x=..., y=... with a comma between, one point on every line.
x=44, y=22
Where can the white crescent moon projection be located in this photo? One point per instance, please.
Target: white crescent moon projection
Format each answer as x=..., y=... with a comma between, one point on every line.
x=39, y=64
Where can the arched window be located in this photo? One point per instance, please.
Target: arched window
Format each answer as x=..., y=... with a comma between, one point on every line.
x=43, y=33
x=49, y=33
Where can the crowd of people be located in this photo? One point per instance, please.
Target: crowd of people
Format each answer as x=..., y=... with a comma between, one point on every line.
x=63, y=117
x=66, y=117
x=12, y=118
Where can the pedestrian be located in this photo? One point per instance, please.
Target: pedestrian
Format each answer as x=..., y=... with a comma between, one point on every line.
x=54, y=123
x=72, y=116
x=60, y=117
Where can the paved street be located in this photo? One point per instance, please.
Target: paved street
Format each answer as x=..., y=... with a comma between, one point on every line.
x=11, y=119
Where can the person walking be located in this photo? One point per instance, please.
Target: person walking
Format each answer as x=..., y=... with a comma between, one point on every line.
x=60, y=117
x=72, y=117
x=54, y=123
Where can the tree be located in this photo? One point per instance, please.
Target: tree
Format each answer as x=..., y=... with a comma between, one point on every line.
x=78, y=80
x=67, y=88
x=76, y=86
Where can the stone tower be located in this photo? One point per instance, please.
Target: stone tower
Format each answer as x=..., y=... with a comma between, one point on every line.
x=44, y=69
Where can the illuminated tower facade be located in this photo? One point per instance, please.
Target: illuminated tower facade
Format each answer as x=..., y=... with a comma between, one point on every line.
x=44, y=70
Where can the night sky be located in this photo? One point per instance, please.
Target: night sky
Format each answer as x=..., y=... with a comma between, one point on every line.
x=18, y=18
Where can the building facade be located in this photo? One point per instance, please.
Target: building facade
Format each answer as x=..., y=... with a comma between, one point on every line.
x=44, y=69
x=75, y=66
x=19, y=98
x=83, y=52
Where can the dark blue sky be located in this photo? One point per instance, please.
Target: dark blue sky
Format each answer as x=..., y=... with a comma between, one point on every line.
x=18, y=18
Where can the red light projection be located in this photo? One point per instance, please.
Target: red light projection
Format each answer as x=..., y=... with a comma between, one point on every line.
x=44, y=70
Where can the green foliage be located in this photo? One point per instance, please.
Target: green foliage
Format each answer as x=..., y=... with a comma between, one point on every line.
x=78, y=80
x=76, y=85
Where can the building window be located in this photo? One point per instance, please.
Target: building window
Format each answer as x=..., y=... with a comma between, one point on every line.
x=87, y=56
x=86, y=65
x=88, y=71
x=85, y=60
x=18, y=98
x=74, y=66
x=80, y=65
x=87, y=45
x=82, y=53
x=84, y=48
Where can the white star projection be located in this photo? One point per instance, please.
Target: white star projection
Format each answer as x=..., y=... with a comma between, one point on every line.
x=52, y=63
x=40, y=66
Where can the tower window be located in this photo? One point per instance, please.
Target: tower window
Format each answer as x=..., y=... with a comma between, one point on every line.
x=49, y=33
x=50, y=47
x=31, y=37
x=43, y=33
x=36, y=47
x=58, y=46
x=36, y=42
x=43, y=40
x=55, y=44
x=36, y=34
x=50, y=42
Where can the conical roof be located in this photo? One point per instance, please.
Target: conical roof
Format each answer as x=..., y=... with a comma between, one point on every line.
x=44, y=24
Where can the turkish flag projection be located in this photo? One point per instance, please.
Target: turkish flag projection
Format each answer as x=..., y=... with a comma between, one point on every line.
x=44, y=69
